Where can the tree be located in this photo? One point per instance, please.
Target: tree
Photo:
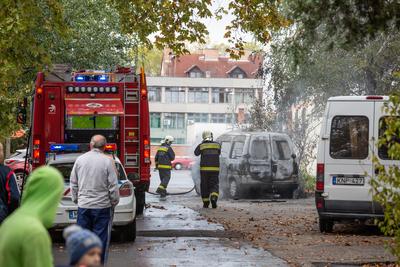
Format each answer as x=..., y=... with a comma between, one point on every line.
x=26, y=28
x=387, y=183
x=95, y=39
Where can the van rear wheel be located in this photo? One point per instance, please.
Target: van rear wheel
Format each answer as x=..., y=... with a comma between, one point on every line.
x=325, y=225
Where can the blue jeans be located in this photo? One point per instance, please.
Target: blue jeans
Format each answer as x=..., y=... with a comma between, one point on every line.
x=99, y=221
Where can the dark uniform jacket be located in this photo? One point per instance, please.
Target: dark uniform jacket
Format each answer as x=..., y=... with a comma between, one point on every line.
x=209, y=151
x=9, y=192
x=164, y=156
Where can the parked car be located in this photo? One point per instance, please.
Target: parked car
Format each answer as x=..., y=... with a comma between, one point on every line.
x=182, y=163
x=256, y=160
x=350, y=130
x=16, y=162
x=124, y=213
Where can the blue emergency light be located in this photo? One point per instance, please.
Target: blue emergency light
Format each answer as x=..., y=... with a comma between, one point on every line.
x=92, y=78
x=64, y=147
x=80, y=78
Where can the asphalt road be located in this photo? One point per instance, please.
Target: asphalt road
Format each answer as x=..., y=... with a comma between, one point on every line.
x=169, y=234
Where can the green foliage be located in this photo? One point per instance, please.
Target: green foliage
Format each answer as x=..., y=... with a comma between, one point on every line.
x=308, y=181
x=172, y=23
x=343, y=24
x=95, y=39
x=26, y=28
x=262, y=115
x=150, y=59
x=386, y=184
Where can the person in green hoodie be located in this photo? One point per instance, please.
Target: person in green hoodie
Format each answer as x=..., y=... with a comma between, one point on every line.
x=24, y=240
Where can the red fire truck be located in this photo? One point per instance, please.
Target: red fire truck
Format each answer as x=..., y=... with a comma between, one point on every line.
x=69, y=108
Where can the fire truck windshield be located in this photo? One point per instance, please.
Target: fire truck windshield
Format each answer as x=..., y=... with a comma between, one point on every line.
x=92, y=122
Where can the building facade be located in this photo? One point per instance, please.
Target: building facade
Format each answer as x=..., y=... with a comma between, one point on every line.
x=200, y=88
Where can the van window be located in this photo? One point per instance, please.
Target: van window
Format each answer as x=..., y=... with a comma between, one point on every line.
x=383, y=150
x=259, y=149
x=349, y=137
x=281, y=150
x=237, y=150
x=225, y=148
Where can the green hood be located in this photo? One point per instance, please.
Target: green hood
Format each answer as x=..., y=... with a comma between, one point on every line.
x=42, y=194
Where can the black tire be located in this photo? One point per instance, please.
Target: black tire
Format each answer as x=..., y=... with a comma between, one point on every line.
x=325, y=225
x=288, y=194
x=140, y=201
x=128, y=232
x=234, y=190
x=178, y=166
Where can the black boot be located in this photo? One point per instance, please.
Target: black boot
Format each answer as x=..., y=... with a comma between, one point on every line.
x=214, y=202
x=206, y=204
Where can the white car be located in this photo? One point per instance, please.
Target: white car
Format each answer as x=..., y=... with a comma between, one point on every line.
x=124, y=213
x=351, y=128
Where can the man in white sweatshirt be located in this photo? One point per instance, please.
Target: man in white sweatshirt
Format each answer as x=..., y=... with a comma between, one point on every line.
x=94, y=187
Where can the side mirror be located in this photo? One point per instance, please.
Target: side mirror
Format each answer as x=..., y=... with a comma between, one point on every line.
x=293, y=156
x=133, y=177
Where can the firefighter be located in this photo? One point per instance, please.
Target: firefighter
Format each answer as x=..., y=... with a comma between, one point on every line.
x=209, y=169
x=163, y=159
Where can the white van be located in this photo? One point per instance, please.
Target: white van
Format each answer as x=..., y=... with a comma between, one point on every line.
x=349, y=134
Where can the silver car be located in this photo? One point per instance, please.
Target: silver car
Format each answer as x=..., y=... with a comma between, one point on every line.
x=124, y=213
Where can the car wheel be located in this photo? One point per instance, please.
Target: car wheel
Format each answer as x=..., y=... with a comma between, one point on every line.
x=325, y=225
x=289, y=194
x=234, y=190
x=128, y=232
x=178, y=166
x=140, y=201
x=19, y=175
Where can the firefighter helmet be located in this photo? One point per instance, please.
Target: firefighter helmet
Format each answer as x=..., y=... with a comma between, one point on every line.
x=207, y=136
x=169, y=139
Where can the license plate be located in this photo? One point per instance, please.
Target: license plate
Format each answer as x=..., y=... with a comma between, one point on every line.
x=347, y=180
x=73, y=214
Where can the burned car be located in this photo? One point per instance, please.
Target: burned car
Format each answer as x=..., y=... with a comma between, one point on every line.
x=256, y=161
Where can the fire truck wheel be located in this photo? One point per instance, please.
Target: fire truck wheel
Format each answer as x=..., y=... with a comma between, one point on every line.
x=140, y=202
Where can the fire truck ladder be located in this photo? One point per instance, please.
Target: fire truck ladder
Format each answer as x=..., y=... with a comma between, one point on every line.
x=131, y=125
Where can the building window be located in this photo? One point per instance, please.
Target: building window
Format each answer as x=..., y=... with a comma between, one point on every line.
x=174, y=120
x=244, y=96
x=155, y=120
x=180, y=141
x=156, y=140
x=237, y=73
x=221, y=95
x=174, y=95
x=197, y=117
x=198, y=95
x=195, y=72
x=154, y=94
x=220, y=118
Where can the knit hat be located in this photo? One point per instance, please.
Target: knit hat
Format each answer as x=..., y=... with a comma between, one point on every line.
x=79, y=241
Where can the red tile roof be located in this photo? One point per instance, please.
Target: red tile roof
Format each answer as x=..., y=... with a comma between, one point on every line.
x=217, y=67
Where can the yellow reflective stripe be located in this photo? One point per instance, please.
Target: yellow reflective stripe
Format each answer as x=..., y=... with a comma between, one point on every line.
x=209, y=146
x=161, y=186
x=163, y=149
x=214, y=194
x=161, y=166
x=205, y=199
x=209, y=168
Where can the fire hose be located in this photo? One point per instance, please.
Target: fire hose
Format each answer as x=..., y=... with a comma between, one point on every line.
x=173, y=194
